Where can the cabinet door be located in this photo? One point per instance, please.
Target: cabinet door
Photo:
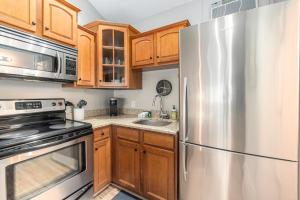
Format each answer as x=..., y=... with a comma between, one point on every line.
x=102, y=164
x=158, y=169
x=127, y=165
x=143, y=51
x=19, y=13
x=60, y=22
x=167, y=45
x=86, y=58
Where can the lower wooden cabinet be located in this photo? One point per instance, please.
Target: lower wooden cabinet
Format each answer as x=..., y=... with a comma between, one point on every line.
x=102, y=162
x=158, y=173
x=145, y=166
x=127, y=165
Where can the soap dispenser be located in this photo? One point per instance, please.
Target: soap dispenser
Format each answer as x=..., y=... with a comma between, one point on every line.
x=174, y=113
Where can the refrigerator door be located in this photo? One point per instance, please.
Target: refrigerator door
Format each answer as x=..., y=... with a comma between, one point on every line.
x=213, y=174
x=239, y=82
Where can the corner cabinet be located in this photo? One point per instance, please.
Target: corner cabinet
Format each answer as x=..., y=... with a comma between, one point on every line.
x=86, y=57
x=156, y=48
x=60, y=21
x=114, y=56
x=18, y=13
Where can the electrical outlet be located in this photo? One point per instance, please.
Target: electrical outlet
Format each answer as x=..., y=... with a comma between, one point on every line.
x=133, y=104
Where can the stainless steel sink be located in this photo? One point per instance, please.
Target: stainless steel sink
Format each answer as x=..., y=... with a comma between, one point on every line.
x=151, y=122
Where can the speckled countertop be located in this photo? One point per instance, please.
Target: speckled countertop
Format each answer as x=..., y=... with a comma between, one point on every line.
x=128, y=121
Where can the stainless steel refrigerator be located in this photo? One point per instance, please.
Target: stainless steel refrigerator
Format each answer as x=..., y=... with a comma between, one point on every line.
x=239, y=106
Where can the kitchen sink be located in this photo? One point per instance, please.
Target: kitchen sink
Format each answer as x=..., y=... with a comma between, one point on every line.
x=151, y=122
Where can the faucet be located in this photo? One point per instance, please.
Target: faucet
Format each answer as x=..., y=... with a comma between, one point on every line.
x=162, y=114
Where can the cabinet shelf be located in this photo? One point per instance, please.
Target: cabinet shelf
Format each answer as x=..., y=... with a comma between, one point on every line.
x=107, y=47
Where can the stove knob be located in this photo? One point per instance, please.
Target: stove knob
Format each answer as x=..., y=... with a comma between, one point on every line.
x=60, y=103
x=53, y=104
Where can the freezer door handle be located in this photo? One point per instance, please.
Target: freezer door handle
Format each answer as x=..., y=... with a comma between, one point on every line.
x=184, y=111
x=184, y=167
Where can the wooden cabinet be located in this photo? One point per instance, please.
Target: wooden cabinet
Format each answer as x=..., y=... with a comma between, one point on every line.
x=167, y=45
x=157, y=47
x=142, y=50
x=60, y=21
x=19, y=13
x=86, y=58
x=102, y=159
x=145, y=162
x=114, y=56
x=127, y=165
x=158, y=175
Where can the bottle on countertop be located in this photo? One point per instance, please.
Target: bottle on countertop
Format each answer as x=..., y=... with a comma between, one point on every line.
x=174, y=113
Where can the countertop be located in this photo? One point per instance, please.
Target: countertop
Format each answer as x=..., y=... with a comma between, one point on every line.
x=127, y=121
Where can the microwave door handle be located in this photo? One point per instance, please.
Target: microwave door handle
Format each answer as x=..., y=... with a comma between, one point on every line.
x=59, y=64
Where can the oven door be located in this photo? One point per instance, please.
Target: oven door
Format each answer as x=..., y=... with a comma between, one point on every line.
x=55, y=171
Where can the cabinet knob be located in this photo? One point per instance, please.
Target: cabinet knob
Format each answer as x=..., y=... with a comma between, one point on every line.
x=100, y=80
x=150, y=57
x=157, y=56
x=102, y=133
x=96, y=149
x=33, y=23
x=144, y=152
x=135, y=149
x=79, y=79
x=46, y=28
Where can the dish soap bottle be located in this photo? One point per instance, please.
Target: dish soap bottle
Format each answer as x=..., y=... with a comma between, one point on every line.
x=174, y=113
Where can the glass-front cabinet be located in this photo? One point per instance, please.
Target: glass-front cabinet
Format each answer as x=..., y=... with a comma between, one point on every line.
x=113, y=56
x=113, y=60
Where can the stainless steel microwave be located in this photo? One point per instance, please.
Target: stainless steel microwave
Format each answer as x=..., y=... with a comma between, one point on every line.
x=28, y=57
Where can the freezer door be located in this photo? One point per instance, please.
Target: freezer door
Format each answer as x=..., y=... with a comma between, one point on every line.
x=211, y=174
x=239, y=82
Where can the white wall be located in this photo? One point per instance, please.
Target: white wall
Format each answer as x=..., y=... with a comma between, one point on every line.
x=88, y=12
x=143, y=98
x=196, y=11
x=23, y=89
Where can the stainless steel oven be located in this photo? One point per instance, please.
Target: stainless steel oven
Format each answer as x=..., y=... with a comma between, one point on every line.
x=56, y=171
x=29, y=57
x=43, y=155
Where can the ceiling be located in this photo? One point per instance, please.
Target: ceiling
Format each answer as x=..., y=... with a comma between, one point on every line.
x=133, y=11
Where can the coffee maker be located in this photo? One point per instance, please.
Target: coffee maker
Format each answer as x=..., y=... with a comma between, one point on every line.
x=113, y=106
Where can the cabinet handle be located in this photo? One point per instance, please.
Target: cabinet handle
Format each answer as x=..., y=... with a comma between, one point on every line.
x=33, y=23
x=46, y=28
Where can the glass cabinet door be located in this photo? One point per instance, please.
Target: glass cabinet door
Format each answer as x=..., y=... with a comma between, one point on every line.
x=113, y=58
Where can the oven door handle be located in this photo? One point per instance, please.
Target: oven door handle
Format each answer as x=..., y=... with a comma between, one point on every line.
x=59, y=64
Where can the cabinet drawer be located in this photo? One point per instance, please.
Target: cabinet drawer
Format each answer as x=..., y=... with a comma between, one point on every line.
x=128, y=134
x=159, y=140
x=101, y=133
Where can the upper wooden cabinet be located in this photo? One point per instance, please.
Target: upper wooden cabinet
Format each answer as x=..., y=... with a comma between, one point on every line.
x=86, y=57
x=19, y=13
x=142, y=50
x=114, y=56
x=157, y=47
x=60, y=21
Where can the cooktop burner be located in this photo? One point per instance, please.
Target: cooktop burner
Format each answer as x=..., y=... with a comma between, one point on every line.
x=18, y=134
x=67, y=124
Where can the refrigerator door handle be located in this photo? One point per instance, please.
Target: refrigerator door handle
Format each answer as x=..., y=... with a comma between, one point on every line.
x=184, y=161
x=184, y=112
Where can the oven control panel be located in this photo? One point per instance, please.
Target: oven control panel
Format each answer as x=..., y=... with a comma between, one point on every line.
x=28, y=105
